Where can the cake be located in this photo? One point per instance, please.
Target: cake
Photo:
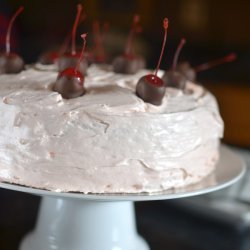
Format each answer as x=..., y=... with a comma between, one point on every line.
x=108, y=140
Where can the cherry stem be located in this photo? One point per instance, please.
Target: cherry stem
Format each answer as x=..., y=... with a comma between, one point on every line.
x=83, y=36
x=128, y=47
x=78, y=15
x=177, y=53
x=165, y=26
x=96, y=30
x=105, y=31
x=10, y=28
x=229, y=58
x=66, y=41
x=65, y=44
x=97, y=36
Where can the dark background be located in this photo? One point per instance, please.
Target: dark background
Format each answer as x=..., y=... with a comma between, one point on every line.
x=212, y=29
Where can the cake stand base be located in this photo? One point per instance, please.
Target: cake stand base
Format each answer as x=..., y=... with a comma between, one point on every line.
x=69, y=224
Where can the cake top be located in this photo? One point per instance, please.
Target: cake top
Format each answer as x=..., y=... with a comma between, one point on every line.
x=107, y=92
x=84, y=143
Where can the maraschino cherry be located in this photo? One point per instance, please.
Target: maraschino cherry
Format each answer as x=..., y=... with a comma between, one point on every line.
x=190, y=72
x=11, y=63
x=68, y=60
x=49, y=57
x=172, y=77
x=128, y=63
x=70, y=81
x=150, y=88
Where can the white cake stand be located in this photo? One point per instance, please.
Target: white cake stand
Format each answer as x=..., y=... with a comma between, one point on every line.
x=73, y=221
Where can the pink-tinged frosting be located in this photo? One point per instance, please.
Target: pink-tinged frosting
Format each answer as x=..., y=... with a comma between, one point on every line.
x=107, y=141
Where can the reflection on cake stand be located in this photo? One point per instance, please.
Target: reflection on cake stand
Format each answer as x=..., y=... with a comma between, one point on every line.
x=72, y=221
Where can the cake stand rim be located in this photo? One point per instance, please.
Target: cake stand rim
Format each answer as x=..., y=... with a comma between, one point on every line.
x=222, y=179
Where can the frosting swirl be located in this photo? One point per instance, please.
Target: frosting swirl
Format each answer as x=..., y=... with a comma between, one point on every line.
x=108, y=140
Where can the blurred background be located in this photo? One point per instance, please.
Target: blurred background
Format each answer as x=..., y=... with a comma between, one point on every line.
x=213, y=29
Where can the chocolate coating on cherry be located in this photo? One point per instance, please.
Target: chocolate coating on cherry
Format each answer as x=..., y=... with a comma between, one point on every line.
x=68, y=60
x=150, y=88
x=70, y=83
x=186, y=69
x=128, y=63
x=173, y=78
x=11, y=63
x=141, y=62
x=48, y=58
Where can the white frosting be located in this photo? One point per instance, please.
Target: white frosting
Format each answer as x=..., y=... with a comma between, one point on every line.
x=108, y=140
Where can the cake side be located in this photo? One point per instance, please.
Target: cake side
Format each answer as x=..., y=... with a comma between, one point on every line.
x=108, y=141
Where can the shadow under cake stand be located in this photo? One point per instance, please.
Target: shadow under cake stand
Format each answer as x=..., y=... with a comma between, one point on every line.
x=74, y=221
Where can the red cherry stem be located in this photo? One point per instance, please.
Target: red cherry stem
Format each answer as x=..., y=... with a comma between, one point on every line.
x=83, y=36
x=10, y=28
x=65, y=44
x=97, y=37
x=128, y=47
x=105, y=31
x=229, y=58
x=73, y=35
x=165, y=26
x=177, y=53
x=66, y=41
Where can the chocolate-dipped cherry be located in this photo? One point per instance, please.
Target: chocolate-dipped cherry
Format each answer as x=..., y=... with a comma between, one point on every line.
x=128, y=63
x=49, y=57
x=190, y=72
x=185, y=69
x=11, y=63
x=150, y=88
x=70, y=81
x=172, y=77
x=71, y=59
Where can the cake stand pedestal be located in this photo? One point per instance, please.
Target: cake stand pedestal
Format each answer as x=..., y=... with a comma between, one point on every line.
x=68, y=224
x=72, y=221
